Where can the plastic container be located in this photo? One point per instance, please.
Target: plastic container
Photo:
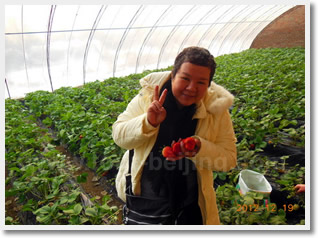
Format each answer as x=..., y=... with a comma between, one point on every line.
x=250, y=180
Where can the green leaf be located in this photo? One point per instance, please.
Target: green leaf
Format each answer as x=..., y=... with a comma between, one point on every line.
x=75, y=220
x=69, y=211
x=44, y=219
x=259, y=196
x=277, y=220
x=91, y=212
x=222, y=175
x=73, y=196
x=43, y=210
x=62, y=133
x=82, y=178
x=91, y=162
x=248, y=200
x=77, y=209
x=9, y=221
x=63, y=200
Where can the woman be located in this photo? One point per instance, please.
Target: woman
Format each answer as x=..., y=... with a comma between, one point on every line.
x=173, y=106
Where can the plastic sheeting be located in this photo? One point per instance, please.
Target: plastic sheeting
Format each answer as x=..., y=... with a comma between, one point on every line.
x=50, y=46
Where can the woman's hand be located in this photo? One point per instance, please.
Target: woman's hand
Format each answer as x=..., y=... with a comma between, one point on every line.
x=300, y=188
x=156, y=112
x=183, y=152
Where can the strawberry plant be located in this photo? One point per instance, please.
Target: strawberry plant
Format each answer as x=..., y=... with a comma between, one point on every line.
x=269, y=86
x=249, y=209
x=37, y=175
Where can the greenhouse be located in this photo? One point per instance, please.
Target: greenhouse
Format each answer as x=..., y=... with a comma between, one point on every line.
x=73, y=74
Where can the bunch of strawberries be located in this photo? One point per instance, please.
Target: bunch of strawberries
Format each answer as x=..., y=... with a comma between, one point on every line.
x=175, y=151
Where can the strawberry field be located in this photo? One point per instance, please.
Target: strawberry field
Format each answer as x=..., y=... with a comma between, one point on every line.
x=58, y=142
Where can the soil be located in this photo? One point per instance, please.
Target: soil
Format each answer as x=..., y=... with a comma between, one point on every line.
x=95, y=187
x=11, y=207
x=287, y=30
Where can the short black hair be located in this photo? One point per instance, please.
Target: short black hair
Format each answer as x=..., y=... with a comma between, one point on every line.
x=195, y=55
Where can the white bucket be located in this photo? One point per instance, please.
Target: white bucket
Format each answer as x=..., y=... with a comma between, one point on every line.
x=252, y=181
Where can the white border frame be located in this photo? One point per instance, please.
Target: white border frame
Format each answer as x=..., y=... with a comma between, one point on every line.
x=178, y=228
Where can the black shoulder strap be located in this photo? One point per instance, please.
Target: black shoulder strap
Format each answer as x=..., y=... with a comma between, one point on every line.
x=128, y=176
x=131, y=154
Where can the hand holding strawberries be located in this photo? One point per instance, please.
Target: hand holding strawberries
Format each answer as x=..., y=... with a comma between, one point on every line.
x=187, y=147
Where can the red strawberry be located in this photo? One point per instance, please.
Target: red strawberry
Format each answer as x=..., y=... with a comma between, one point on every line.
x=168, y=152
x=105, y=173
x=176, y=148
x=189, y=143
x=81, y=137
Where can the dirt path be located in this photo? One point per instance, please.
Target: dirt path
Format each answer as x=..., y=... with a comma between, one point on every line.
x=95, y=186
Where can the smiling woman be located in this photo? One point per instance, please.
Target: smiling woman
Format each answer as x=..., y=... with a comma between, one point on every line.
x=170, y=107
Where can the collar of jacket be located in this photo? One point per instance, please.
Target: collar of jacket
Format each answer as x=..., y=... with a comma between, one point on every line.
x=216, y=100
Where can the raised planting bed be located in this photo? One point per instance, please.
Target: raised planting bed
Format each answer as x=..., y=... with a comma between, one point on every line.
x=40, y=188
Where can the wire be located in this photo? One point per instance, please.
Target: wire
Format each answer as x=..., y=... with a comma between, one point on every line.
x=247, y=14
x=195, y=26
x=252, y=32
x=212, y=25
x=120, y=28
x=247, y=27
x=220, y=31
x=148, y=36
x=171, y=34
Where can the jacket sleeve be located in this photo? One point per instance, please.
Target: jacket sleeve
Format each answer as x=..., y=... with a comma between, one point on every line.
x=219, y=155
x=132, y=127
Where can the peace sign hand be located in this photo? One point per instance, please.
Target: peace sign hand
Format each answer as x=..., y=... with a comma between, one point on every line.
x=156, y=112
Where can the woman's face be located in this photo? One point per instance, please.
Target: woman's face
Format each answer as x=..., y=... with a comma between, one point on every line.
x=190, y=83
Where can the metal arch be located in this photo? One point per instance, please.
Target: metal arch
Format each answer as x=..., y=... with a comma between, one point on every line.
x=132, y=21
x=133, y=37
x=257, y=27
x=69, y=41
x=196, y=26
x=159, y=28
x=247, y=27
x=226, y=25
x=148, y=37
x=210, y=28
x=171, y=34
x=90, y=37
x=48, y=42
x=229, y=34
x=22, y=35
x=5, y=80
x=102, y=49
